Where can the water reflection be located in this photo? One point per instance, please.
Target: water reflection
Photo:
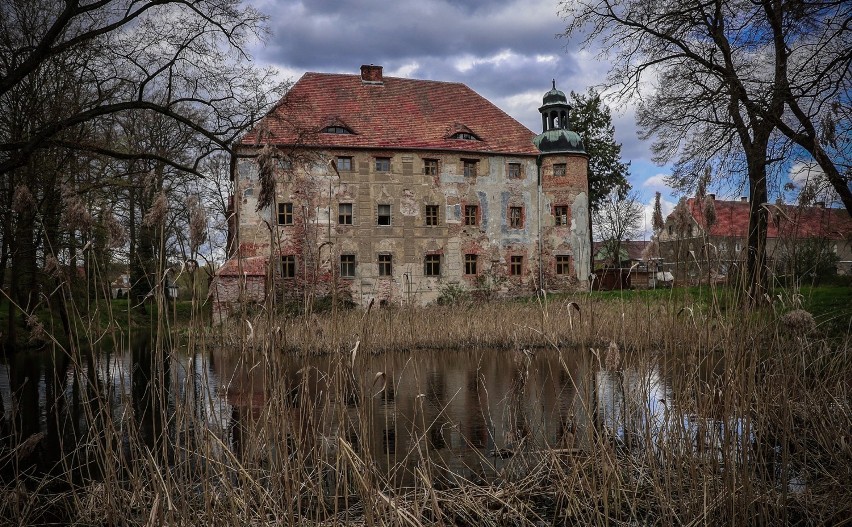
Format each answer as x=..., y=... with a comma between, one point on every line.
x=471, y=412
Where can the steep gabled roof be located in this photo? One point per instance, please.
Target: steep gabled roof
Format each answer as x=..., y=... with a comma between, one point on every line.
x=394, y=114
x=784, y=220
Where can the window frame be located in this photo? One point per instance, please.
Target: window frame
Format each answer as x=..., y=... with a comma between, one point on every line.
x=560, y=220
x=563, y=264
x=337, y=129
x=513, y=224
x=343, y=216
x=430, y=167
x=471, y=219
x=349, y=265
x=516, y=168
x=285, y=213
x=382, y=164
x=471, y=264
x=288, y=266
x=560, y=169
x=385, y=264
x=432, y=265
x=516, y=263
x=469, y=167
x=465, y=136
x=344, y=160
x=431, y=215
x=379, y=215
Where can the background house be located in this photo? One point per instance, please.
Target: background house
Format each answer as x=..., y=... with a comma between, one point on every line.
x=389, y=189
x=802, y=241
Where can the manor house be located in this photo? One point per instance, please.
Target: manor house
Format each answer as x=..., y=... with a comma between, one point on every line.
x=395, y=190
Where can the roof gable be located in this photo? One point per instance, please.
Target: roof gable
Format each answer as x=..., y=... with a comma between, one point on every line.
x=398, y=113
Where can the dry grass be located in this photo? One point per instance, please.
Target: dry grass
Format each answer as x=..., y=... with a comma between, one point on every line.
x=755, y=429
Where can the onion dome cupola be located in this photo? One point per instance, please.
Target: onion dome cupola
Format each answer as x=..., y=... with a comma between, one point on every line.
x=556, y=137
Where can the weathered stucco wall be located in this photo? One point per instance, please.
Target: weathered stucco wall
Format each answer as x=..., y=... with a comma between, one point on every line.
x=316, y=239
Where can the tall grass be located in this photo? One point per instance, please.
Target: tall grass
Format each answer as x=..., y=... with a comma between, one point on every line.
x=752, y=428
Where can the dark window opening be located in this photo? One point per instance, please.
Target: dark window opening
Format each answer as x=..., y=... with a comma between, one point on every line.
x=470, y=263
x=385, y=265
x=516, y=265
x=347, y=265
x=382, y=164
x=430, y=167
x=466, y=136
x=561, y=214
x=516, y=217
x=285, y=214
x=432, y=265
x=431, y=215
x=336, y=130
x=563, y=264
x=384, y=215
x=469, y=166
x=344, y=214
x=288, y=266
x=470, y=215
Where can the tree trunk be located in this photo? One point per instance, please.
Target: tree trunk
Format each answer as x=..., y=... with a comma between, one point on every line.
x=758, y=223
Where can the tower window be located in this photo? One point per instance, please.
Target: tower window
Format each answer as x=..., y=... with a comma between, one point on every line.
x=382, y=164
x=559, y=169
x=516, y=217
x=514, y=171
x=432, y=265
x=563, y=264
x=561, y=214
x=431, y=215
x=384, y=215
x=430, y=167
x=285, y=214
x=470, y=263
x=471, y=213
x=288, y=266
x=516, y=265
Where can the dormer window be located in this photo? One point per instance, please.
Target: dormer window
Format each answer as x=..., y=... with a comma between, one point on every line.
x=336, y=130
x=465, y=135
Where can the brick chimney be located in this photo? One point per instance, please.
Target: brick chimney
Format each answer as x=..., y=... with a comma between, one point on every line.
x=371, y=74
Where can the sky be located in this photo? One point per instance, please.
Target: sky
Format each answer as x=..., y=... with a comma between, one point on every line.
x=506, y=50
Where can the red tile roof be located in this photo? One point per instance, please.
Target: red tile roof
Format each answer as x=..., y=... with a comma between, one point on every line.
x=784, y=220
x=397, y=114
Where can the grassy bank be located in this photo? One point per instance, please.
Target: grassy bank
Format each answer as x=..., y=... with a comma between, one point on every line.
x=753, y=428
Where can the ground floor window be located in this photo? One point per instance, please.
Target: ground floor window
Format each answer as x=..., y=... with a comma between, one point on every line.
x=563, y=264
x=288, y=266
x=432, y=265
x=470, y=264
x=516, y=265
x=385, y=265
x=347, y=265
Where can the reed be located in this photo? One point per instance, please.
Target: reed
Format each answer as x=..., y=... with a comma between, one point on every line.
x=753, y=428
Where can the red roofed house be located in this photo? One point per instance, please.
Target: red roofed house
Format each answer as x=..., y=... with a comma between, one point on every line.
x=389, y=189
x=791, y=228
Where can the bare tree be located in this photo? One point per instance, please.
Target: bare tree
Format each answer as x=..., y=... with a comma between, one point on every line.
x=618, y=219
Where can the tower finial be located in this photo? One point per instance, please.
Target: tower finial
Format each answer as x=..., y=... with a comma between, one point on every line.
x=554, y=84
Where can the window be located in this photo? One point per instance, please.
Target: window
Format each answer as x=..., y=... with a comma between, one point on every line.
x=347, y=265
x=470, y=264
x=382, y=164
x=336, y=130
x=671, y=230
x=385, y=265
x=344, y=164
x=514, y=170
x=465, y=135
x=285, y=214
x=430, y=167
x=384, y=216
x=516, y=265
x=563, y=264
x=344, y=214
x=561, y=213
x=516, y=217
x=559, y=169
x=288, y=266
x=431, y=215
x=471, y=213
x=469, y=166
x=432, y=265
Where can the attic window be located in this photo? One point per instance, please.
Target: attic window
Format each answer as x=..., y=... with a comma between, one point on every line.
x=465, y=135
x=336, y=130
